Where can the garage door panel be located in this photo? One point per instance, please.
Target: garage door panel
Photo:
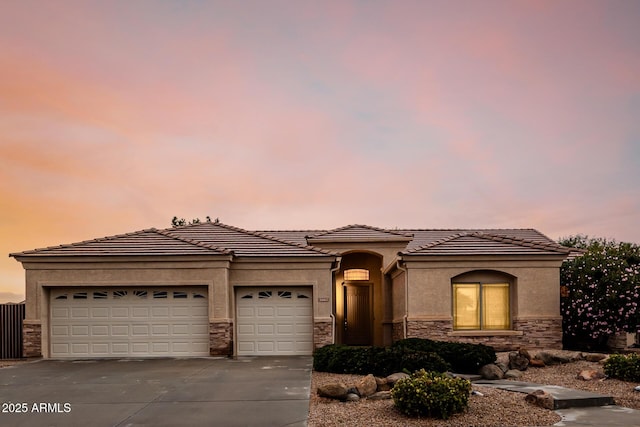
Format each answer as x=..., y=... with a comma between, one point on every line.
x=274, y=321
x=79, y=313
x=100, y=312
x=140, y=312
x=60, y=313
x=80, y=330
x=138, y=330
x=123, y=322
x=100, y=330
x=266, y=311
x=60, y=331
x=160, y=312
x=120, y=313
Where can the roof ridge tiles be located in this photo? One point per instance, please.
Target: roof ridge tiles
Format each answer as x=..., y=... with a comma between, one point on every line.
x=263, y=236
x=524, y=242
x=493, y=237
x=84, y=242
x=167, y=233
x=368, y=227
x=436, y=243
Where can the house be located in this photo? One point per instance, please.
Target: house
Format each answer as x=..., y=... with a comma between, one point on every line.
x=213, y=289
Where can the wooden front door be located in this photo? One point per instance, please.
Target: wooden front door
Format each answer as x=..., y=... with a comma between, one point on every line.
x=357, y=314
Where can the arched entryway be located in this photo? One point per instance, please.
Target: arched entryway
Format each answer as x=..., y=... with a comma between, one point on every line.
x=358, y=297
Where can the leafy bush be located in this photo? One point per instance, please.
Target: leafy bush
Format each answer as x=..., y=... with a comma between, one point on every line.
x=431, y=394
x=599, y=291
x=464, y=358
x=623, y=367
x=379, y=361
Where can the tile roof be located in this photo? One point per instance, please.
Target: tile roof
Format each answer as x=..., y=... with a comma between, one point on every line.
x=360, y=233
x=144, y=242
x=244, y=242
x=214, y=238
x=482, y=243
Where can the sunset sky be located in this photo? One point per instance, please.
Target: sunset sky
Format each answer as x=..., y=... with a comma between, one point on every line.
x=117, y=115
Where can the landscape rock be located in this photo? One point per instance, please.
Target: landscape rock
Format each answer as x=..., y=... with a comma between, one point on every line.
x=540, y=398
x=333, y=391
x=513, y=373
x=383, y=384
x=367, y=386
x=518, y=361
x=352, y=397
x=381, y=395
x=536, y=363
x=554, y=357
x=502, y=365
x=595, y=357
x=590, y=375
x=524, y=353
x=491, y=372
x=393, y=378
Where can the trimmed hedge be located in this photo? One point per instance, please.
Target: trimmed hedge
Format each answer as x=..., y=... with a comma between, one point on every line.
x=406, y=355
x=429, y=394
x=379, y=361
x=623, y=367
x=464, y=358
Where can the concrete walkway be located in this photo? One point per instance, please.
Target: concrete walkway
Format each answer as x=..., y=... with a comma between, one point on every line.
x=577, y=408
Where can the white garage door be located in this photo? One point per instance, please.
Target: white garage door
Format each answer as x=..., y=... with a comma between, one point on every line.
x=274, y=321
x=129, y=322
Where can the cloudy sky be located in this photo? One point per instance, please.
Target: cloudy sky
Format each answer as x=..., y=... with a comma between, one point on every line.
x=116, y=115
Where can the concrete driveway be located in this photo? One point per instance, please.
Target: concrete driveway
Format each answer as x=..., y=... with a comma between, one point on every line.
x=260, y=391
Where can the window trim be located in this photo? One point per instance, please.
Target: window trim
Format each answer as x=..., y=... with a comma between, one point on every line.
x=481, y=308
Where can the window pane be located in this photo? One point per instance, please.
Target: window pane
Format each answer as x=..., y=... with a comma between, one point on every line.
x=495, y=300
x=466, y=307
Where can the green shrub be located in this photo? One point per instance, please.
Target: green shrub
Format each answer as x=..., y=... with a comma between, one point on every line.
x=623, y=367
x=464, y=358
x=379, y=361
x=429, y=394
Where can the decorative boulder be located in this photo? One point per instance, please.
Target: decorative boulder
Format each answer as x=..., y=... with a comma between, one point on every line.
x=540, y=398
x=518, y=361
x=383, y=384
x=393, y=378
x=513, y=373
x=367, y=386
x=537, y=363
x=333, y=391
x=590, y=375
x=491, y=372
x=352, y=397
x=594, y=357
x=381, y=395
x=552, y=357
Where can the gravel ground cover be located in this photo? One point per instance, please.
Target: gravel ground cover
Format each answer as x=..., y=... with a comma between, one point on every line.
x=494, y=408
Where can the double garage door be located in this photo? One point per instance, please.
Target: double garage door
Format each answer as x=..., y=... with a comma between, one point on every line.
x=129, y=322
x=174, y=321
x=274, y=321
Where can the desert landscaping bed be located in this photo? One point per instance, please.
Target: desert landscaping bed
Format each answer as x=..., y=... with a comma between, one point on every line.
x=492, y=408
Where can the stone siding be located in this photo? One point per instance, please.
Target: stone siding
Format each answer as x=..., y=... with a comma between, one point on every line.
x=322, y=334
x=536, y=333
x=31, y=339
x=221, y=338
x=397, y=332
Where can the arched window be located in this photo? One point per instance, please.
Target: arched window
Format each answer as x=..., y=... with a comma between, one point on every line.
x=356, y=274
x=482, y=300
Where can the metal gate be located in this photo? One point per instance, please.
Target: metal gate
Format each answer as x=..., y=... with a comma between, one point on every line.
x=11, y=317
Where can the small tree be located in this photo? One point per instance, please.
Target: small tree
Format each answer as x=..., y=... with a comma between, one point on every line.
x=600, y=291
x=179, y=222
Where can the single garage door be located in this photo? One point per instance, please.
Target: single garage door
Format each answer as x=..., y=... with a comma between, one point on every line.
x=274, y=321
x=129, y=322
